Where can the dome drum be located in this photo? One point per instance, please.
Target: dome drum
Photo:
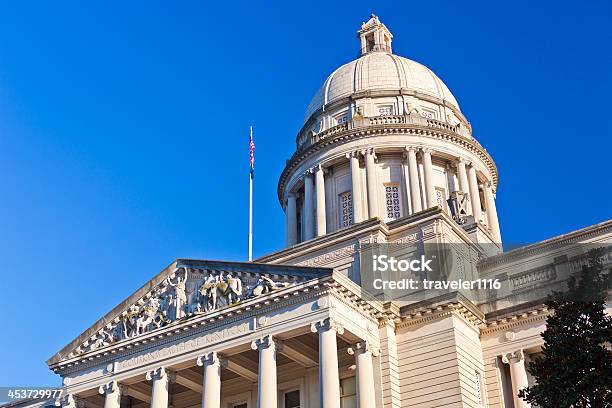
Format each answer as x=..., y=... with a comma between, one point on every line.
x=400, y=102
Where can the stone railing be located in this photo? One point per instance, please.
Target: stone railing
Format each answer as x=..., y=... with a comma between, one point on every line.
x=359, y=122
x=388, y=120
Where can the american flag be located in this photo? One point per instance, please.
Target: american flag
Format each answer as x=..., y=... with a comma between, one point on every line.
x=252, y=154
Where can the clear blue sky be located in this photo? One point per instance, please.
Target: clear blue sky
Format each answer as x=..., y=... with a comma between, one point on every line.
x=124, y=127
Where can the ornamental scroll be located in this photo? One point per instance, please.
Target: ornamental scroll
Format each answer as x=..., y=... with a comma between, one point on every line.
x=184, y=294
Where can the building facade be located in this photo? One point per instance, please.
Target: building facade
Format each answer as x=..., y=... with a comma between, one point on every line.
x=385, y=156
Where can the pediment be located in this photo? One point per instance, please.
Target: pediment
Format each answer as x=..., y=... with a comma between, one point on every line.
x=185, y=290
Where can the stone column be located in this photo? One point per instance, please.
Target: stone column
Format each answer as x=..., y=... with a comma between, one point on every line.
x=462, y=176
x=492, y=211
x=159, y=395
x=211, y=386
x=329, y=377
x=308, y=207
x=112, y=394
x=366, y=395
x=320, y=185
x=413, y=175
x=371, y=183
x=356, y=187
x=518, y=375
x=267, y=387
x=291, y=220
x=474, y=195
x=430, y=190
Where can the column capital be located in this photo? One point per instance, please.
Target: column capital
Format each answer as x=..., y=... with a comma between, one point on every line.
x=67, y=400
x=488, y=184
x=462, y=160
x=327, y=324
x=513, y=357
x=211, y=358
x=363, y=347
x=265, y=342
x=111, y=387
x=410, y=149
x=369, y=151
x=426, y=150
x=354, y=154
x=157, y=374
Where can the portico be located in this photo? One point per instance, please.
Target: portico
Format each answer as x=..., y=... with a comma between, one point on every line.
x=294, y=339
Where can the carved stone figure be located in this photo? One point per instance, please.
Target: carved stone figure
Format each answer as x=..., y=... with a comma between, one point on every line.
x=105, y=337
x=168, y=302
x=129, y=321
x=147, y=316
x=458, y=204
x=231, y=288
x=208, y=292
x=265, y=285
x=180, y=294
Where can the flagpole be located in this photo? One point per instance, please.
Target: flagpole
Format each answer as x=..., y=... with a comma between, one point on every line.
x=251, y=208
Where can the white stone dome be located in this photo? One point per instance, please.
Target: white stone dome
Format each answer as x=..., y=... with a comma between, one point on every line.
x=379, y=71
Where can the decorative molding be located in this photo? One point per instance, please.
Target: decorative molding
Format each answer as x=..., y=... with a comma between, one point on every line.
x=328, y=257
x=514, y=321
x=533, y=277
x=578, y=236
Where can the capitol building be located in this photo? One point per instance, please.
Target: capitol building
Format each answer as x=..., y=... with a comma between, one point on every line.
x=385, y=157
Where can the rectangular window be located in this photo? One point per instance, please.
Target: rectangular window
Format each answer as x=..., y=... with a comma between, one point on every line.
x=340, y=119
x=345, y=205
x=385, y=110
x=392, y=201
x=348, y=393
x=292, y=399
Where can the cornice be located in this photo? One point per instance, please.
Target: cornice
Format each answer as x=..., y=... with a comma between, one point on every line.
x=544, y=246
x=370, y=226
x=456, y=304
x=349, y=135
x=514, y=320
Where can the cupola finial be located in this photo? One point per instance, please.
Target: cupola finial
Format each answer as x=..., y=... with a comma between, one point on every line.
x=374, y=36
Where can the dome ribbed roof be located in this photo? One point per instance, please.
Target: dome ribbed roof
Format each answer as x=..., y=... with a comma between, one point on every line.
x=379, y=71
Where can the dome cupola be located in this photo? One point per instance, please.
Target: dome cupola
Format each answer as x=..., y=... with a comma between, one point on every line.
x=374, y=36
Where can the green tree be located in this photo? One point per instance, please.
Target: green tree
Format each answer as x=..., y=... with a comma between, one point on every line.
x=575, y=369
